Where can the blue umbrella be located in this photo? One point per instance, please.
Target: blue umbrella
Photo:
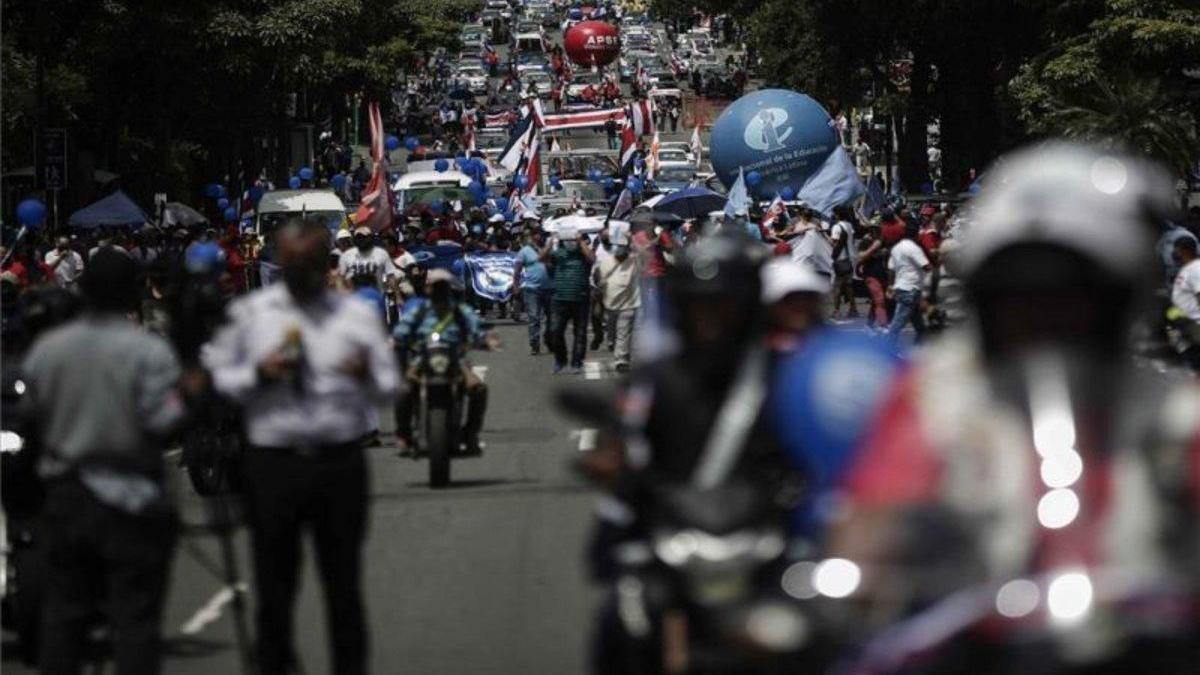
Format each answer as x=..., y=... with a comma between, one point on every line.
x=692, y=202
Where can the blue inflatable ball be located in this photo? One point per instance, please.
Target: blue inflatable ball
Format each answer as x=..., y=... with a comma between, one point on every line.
x=555, y=181
x=222, y=203
x=782, y=135
x=521, y=181
x=441, y=165
x=31, y=213
x=787, y=194
x=594, y=175
x=475, y=187
x=609, y=183
x=391, y=143
x=753, y=178
x=501, y=204
x=204, y=258
x=294, y=182
x=305, y=173
x=824, y=399
x=412, y=143
x=212, y=190
x=231, y=214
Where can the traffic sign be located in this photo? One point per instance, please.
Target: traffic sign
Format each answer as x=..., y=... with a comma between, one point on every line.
x=53, y=160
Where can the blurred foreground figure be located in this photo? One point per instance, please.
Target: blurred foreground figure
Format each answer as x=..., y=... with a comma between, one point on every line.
x=1028, y=501
x=308, y=365
x=103, y=398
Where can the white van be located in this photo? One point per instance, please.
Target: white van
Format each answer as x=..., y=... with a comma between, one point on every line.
x=280, y=206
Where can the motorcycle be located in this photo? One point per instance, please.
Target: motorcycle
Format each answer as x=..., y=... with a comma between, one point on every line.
x=440, y=404
x=22, y=580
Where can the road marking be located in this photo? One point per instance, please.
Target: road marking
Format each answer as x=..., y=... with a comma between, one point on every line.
x=587, y=439
x=211, y=610
x=480, y=372
x=593, y=370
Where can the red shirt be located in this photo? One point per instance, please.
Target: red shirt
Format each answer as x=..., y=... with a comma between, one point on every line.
x=891, y=231
x=442, y=233
x=930, y=241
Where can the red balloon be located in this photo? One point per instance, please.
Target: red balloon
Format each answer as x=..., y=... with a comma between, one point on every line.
x=592, y=43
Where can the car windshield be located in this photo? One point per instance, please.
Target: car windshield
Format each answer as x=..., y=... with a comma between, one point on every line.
x=436, y=194
x=586, y=192
x=676, y=174
x=268, y=222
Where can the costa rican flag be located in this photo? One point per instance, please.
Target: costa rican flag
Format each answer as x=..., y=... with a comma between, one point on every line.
x=774, y=209
x=499, y=119
x=583, y=119
x=628, y=147
x=641, y=114
x=375, y=210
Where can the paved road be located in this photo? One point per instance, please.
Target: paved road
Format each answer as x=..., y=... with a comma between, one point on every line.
x=484, y=577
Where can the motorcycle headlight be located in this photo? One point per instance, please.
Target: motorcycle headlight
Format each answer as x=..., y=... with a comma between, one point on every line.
x=439, y=364
x=11, y=441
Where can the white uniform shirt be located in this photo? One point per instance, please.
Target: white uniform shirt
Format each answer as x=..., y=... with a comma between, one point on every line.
x=331, y=405
x=908, y=261
x=1185, y=289
x=68, y=271
x=376, y=257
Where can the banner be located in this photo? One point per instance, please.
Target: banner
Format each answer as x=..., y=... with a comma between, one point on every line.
x=582, y=120
x=441, y=256
x=491, y=274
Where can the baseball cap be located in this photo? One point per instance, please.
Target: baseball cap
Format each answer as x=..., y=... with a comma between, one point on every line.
x=782, y=277
x=362, y=229
x=342, y=234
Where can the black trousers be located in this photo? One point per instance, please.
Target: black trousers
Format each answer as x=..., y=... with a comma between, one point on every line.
x=100, y=559
x=285, y=493
x=562, y=312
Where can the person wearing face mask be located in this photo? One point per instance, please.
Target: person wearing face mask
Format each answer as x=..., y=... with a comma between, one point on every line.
x=308, y=366
x=571, y=258
x=66, y=263
x=366, y=254
x=618, y=280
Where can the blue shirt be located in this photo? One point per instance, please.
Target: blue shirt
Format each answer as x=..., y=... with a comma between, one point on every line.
x=375, y=297
x=419, y=320
x=535, y=277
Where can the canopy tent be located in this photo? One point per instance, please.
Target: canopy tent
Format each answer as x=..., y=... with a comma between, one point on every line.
x=115, y=210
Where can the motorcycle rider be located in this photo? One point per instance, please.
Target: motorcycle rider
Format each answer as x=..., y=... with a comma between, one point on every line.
x=717, y=380
x=1025, y=455
x=456, y=322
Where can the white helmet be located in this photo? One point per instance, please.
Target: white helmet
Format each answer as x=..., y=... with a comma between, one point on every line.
x=1100, y=204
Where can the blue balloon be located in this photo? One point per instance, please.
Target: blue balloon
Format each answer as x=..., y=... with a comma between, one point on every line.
x=475, y=187
x=411, y=143
x=824, y=398
x=782, y=135
x=294, y=182
x=31, y=213
x=634, y=185
x=306, y=173
x=501, y=204
x=213, y=190
x=256, y=193
x=594, y=175
x=753, y=178
x=608, y=183
x=555, y=181
x=204, y=258
x=787, y=194
x=222, y=203
x=231, y=214
x=338, y=181
x=521, y=181
x=436, y=208
x=441, y=165
x=391, y=143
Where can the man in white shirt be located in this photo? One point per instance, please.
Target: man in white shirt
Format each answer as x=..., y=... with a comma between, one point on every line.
x=618, y=277
x=308, y=365
x=365, y=254
x=1185, y=292
x=907, y=266
x=66, y=263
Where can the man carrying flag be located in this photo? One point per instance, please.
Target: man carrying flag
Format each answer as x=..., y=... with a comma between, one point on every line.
x=628, y=147
x=375, y=209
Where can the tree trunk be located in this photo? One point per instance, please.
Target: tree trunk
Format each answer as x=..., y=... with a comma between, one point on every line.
x=914, y=159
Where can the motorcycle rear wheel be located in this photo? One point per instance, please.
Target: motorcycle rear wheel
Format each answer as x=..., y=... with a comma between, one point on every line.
x=440, y=442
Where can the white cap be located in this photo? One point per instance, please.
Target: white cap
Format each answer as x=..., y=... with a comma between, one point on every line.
x=496, y=218
x=342, y=234
x=783, y=276
x=362, y=229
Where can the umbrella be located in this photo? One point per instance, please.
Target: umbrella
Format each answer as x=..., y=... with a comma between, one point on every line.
x=652, y=218
x=178, y=214
x=580, y=224
x=692, y=202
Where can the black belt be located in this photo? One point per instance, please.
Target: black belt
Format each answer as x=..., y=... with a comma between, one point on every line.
x=314, y=450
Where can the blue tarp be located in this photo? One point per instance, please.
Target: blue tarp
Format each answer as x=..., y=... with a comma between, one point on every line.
x=115, y=210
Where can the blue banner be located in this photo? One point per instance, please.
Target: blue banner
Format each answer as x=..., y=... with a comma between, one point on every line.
x=441, y=256
x=491, y=274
